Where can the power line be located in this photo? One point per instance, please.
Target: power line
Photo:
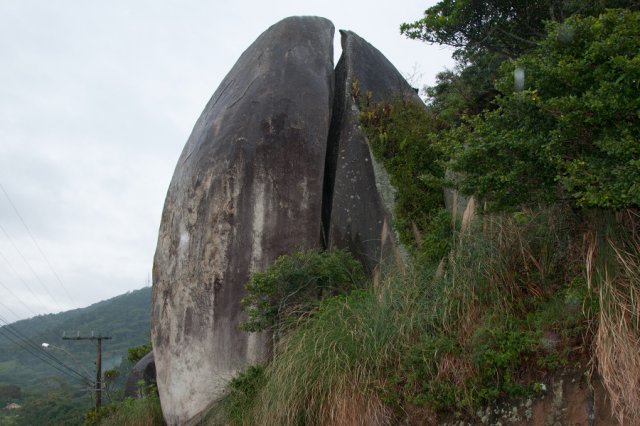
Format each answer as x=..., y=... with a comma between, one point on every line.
x=44, y=256
x=38, y=349
x=10, y=310
x=16, y=337
x=33, y=271
x=18, y=299
x=21, y=279
x=24, y=347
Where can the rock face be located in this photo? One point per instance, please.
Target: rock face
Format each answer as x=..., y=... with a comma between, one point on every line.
x=145, y=369
x=362, y=196
x=568, y=398
x=247, y=189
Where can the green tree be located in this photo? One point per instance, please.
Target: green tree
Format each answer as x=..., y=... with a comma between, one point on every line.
x=136, y=353
x=484, y=35
x=505, y=27
x=573, y=133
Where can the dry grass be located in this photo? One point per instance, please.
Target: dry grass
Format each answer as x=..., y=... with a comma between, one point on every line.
x=613, y=266
x=349, y=407
x=331, y=369
x=511, y=258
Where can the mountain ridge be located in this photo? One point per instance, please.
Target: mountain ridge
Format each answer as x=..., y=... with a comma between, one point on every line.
x=125, y=318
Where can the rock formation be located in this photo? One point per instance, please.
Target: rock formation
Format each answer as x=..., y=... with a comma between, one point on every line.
x=362, y=196
x=247, y=188
x=145, y=369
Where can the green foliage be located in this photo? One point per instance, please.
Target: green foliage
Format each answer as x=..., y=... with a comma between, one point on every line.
x=573, y=133
x=240, y=397
x=49, y=395
x=133, y=412
x=466, y=91
x=136, y=353
x=292, y=287
x=511, y=306
x=61, y=406
x=335, y=354
x=505, y=168
x=506, y=27
x=9, y=392
x=508, y=316
x=401, y=135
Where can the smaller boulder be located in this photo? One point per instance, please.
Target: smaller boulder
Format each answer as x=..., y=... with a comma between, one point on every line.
x=145, y=369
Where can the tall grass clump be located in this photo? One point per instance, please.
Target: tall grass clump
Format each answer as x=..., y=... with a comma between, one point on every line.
x=509, y=310
x=332, y=369
x=144, y=411
x=613, y=262
x=508, y=305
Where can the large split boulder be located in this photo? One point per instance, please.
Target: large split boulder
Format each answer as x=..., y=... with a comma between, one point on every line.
x=362, y=196
x=145, y=371
x=247, y=188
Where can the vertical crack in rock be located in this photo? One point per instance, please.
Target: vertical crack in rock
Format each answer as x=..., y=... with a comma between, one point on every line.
x=247, y=188
x=361, y=196
x=333, y=146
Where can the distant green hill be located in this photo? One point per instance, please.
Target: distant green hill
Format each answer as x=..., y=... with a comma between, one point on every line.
x=63, y=397
x=125, y=318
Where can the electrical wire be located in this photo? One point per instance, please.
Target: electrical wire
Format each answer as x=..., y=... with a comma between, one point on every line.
x=83, y=380
x=35, y=242
x=10, y=310
x=21, y=279
x=18, y=299
x=37, y=348
x=18, y=338
x=33, y=271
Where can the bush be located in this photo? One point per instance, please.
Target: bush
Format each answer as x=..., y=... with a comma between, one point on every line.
x=131, y=412
x=239, y=399
x=402, y=136
x=136, y=353
x=572, y=134
x=292, y=287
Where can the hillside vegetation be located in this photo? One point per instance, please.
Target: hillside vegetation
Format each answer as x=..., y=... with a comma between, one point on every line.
x=62, y=396
x=540, y=124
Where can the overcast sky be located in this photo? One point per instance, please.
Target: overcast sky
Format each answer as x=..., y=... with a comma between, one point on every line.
x=97, y=99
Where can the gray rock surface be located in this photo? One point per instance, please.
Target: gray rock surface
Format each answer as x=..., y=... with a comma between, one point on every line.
x=362, y=196
x=145, y=369
x=247, y=189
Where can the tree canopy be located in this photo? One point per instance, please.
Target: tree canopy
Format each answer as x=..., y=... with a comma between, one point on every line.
x=505, y=27
x=574, y=131
x=569, y=130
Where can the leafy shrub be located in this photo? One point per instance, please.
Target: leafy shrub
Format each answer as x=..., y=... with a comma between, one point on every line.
x=572, y=133
x=292, y=287
x=136, y=353
x=133, y=412
x=402, y=136
x=236, y=405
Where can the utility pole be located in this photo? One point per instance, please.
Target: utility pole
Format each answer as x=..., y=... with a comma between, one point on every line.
x=99, y=339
